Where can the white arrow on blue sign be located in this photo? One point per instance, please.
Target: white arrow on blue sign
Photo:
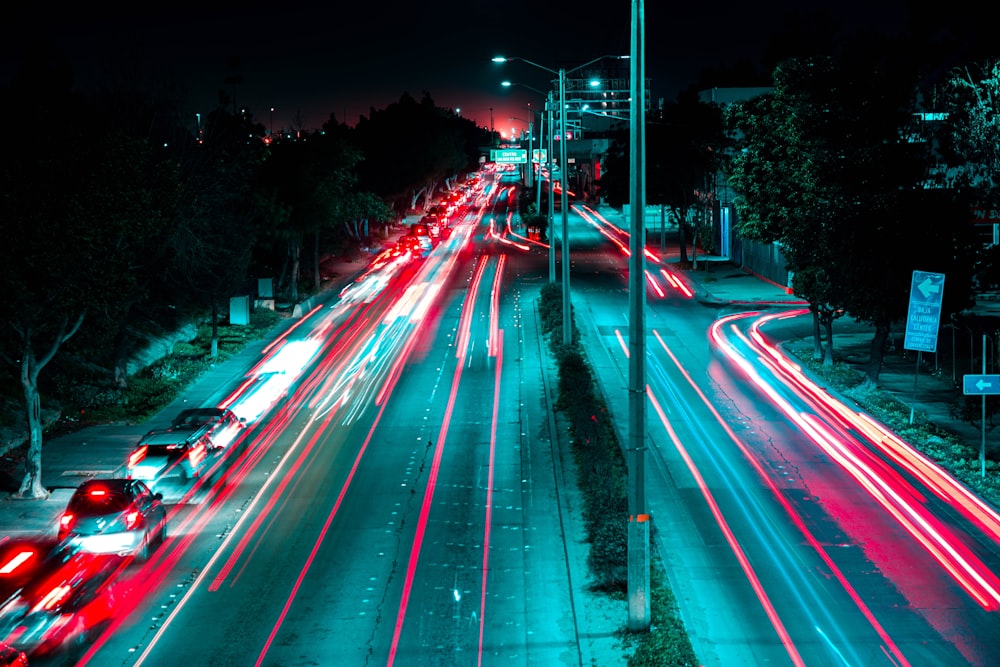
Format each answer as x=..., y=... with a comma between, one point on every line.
x=981, y=384
x=924, y=314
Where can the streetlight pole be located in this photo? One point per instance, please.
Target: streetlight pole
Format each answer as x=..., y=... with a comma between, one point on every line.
x=638, y=520
x=551, y=220
x=564, y=204
x=563, y=171
x=531, y=144
x=550, y=127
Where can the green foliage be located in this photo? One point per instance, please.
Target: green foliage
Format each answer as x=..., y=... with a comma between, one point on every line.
x=827, y=167
x=154, y=387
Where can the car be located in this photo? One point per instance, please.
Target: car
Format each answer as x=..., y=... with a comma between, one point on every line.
x=221, y=425
x=398, y=249
x=419, y=246
x=431, y=223
x=426, y=230
x=53, y=593
x=115, y=516
x=168, y=453
x=12, y=657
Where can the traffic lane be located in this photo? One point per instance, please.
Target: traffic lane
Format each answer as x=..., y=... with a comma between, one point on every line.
x=723, y=616
x=480, y=578
x=743, y=630
x=939, y=557
x=805, y=534
x=326, y=370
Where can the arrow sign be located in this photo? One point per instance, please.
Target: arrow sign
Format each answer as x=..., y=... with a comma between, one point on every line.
x=981, y=385
x=928, y=288
x=924, y=314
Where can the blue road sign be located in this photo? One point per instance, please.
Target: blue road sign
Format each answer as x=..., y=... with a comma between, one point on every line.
x=924, y=314
x=981, y=384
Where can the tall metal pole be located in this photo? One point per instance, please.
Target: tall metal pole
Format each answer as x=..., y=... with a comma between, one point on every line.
x=549, y=228
x=538, y=178
x=638, y=520
x=531, y=164
x=564, y=202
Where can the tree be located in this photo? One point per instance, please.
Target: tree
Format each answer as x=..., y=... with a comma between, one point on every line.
x=683, y=152
x=210, y=247
x=56, y=266
x=828, y=168
x=410, y=147
x=309, y=187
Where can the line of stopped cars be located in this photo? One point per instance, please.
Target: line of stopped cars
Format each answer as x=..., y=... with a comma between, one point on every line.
x=58, y=590
x=436, y=223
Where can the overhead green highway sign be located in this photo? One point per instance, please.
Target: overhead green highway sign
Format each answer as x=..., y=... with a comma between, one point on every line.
x=509, y=155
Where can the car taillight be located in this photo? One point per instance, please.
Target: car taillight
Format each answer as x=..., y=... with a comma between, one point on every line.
x=53, y=598
x=131, y=519
x=136, y=456
x=16, y=561
x=66, y=521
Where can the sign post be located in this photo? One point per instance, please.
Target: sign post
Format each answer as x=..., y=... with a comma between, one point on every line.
x=982, y=385
x=923, y=318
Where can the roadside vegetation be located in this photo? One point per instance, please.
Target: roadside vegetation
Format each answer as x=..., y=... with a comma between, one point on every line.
x=77, y=398
x=154, y=387
x=602, y=477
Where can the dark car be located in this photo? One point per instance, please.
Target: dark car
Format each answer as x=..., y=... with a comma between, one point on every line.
x=221, y=425
x=419, y=246
x=53, y=593
x=12, y=657
x=168, y=453
x=114, y=516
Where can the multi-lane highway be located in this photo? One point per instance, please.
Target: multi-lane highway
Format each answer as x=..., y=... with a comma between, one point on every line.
x=394, y=500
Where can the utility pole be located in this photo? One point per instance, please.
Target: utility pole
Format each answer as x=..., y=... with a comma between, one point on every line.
x=549, y=227
x=638, y=520
x=564, y=203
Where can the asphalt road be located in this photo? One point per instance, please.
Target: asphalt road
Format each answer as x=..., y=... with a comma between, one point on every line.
x=401, y=506
x=776, y=552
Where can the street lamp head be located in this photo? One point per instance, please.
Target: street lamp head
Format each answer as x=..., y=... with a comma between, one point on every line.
x=506, y=84
x=499, y=59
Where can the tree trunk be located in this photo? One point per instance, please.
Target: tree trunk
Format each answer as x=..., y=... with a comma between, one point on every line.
x=317, y=281
x=294, y=250
x=817, y=336
x=215, y=327
x=120, y=358
x=682, y=237
x=828, y=323
x=31, y=485
x=280, y=286
x=876, y=354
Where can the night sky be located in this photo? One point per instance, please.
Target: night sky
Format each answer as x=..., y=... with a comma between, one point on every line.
x=310, y=62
